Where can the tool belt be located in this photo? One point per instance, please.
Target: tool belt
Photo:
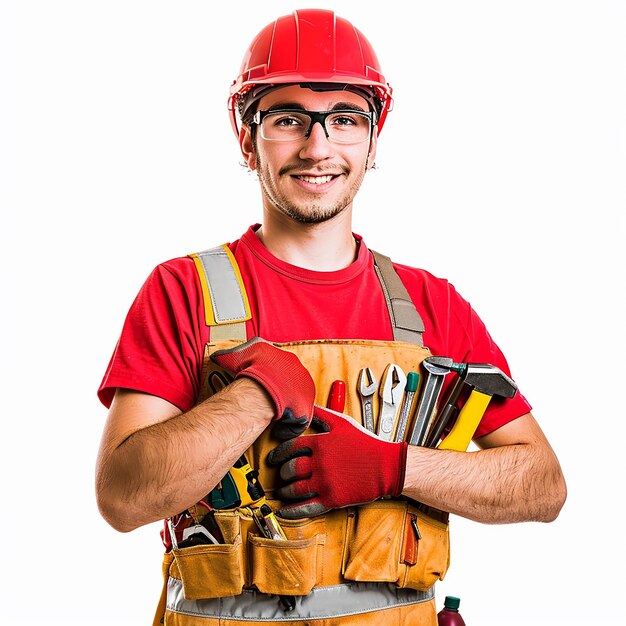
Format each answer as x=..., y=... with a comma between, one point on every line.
x=394, y=541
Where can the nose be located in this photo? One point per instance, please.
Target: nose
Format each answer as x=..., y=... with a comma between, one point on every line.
x=317, y=147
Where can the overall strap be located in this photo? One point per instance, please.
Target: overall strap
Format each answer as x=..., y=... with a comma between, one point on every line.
x=406, y=321
x=227, y=308
x=225, y=301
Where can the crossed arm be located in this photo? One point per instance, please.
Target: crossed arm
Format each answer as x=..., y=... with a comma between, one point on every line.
x=514, y=477
x=155, y=461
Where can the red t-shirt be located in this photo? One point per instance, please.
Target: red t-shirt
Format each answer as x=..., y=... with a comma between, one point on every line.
x=162, y=342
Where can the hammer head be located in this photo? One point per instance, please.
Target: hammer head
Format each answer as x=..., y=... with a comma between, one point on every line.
x=490, y=380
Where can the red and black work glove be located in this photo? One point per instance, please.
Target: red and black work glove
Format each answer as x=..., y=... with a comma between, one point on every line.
x=344, y=465
x=283, y=376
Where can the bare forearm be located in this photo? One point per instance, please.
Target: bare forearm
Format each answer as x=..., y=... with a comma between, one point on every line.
x=511, y=483
x=162, y=469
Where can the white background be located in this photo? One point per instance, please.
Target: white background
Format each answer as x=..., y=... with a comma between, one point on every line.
x=501, y=168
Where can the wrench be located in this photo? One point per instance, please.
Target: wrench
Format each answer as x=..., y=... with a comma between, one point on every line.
x=367, y=389
x=436, y=369
x=391, y=392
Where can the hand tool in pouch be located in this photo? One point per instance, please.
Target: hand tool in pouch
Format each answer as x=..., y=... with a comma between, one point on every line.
x=206, y=531
x=267, y=523
x=412, y=380
x=486, y=381
x=446, y=415
x=241, y=488
x=391, y=392
x=436, y=369
x=367, y=387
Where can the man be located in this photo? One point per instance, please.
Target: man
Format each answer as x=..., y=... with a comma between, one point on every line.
x=204, y=373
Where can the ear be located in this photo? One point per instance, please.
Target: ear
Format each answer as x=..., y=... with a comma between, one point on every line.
x=246, y=145
x=371, y=155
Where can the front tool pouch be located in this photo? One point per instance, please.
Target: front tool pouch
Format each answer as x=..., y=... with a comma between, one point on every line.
x=382, y=546
x=423, y=560
x=284, y=567
x=365, y=543
x=291, y=567
x=374, y=539
x=212, y=570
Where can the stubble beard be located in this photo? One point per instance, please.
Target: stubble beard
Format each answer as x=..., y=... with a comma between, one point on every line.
x=305, y=213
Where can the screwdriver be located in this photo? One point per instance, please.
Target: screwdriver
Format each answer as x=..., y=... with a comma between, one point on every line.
x=273, y=527
x=268, y=525
x=412, y=380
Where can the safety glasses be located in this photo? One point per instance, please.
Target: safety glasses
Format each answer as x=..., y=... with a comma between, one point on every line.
x=347, y=126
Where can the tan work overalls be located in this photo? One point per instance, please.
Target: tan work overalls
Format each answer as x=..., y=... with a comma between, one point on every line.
x=370, y=564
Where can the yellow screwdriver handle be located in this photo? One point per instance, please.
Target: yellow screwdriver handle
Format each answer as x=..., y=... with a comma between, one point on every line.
x=467, y=422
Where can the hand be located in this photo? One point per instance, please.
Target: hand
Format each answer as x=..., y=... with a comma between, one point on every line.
x=344, y=465
x=281, y=374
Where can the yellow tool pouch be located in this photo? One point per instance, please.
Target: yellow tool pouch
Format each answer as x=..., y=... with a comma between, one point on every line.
x=390, y=541
x=384, y=541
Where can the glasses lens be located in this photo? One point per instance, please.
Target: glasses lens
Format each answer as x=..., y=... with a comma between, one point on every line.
x=341, y=126
x=285, y=126
x=348, y=126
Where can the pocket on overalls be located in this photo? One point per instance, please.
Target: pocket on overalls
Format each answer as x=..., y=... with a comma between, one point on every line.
x=291, y=567
x=284, y=567
x=425, y=551
x=212, y=570
x=374, y=539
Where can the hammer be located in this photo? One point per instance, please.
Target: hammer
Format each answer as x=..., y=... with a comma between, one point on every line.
x=486, y=381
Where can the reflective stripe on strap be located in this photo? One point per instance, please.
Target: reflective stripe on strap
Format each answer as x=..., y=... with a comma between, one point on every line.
x=322, y=602
x=222, y=286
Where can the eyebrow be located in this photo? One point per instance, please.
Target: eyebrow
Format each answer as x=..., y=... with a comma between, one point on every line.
x=296, y=106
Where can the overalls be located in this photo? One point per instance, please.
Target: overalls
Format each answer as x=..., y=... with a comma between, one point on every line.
x=369, y=564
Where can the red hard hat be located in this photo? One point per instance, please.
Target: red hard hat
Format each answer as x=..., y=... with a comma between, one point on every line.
x=311, y=46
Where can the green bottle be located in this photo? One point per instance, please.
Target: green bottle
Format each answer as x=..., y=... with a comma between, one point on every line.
x=449, y=615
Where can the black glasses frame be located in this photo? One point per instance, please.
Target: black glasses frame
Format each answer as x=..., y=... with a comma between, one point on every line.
x=316, y=117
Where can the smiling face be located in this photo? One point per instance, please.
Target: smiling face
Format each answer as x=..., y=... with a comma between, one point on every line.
x=310, y=180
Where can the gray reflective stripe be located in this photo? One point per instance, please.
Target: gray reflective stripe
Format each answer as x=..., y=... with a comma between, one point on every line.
x=227, y=298
x=322, y=602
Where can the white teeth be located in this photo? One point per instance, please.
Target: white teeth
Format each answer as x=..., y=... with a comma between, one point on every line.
x=316, y=180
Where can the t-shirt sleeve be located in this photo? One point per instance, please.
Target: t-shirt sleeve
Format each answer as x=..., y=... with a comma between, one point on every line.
x=161, y=345
x=454, y=329
x=471, y=343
